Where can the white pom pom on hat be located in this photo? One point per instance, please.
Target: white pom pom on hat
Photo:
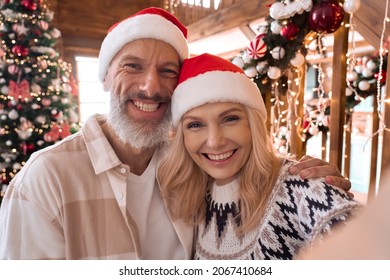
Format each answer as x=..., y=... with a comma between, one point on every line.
x=208, y=79
x=150, y=23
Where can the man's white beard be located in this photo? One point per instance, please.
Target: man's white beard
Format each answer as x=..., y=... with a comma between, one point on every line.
x=140, y=134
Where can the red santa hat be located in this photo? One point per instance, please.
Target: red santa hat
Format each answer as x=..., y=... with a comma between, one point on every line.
x=153, y=23
x=208, y=79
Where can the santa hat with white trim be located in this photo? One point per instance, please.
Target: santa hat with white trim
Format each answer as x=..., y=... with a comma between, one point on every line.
x=208, y=79
x=150, y=23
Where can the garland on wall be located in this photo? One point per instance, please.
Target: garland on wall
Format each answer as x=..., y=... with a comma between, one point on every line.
x=292, y=29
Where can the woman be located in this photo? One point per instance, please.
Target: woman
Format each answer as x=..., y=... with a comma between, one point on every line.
x=222, y=175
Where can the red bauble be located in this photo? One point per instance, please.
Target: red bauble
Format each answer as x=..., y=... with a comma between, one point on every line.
x=27, y=148
x=257, y=48
x=30, y=5
x=326, y=17
x=290, y=31
x=382, y=77
x=20, y=50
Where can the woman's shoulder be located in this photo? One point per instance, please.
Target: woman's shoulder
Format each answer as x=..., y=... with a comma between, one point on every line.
x=310, y=195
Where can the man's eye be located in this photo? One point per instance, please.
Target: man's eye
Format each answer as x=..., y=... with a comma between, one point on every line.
x=133, y=66
x=169, y=72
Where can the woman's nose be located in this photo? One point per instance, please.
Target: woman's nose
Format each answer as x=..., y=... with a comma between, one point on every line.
x=215, y=137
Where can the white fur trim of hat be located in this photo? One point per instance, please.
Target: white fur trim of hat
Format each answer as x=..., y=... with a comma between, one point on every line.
x=153, y=23
x=210, y=85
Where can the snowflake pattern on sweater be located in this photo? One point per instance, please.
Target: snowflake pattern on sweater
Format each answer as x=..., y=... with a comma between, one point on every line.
x=299, y=210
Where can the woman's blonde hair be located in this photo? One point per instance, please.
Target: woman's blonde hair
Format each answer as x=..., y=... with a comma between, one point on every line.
x=184, y=184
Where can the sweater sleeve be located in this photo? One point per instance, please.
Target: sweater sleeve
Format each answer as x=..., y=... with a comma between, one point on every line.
x=323, y=208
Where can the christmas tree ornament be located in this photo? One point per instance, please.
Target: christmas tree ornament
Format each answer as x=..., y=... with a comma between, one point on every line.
x=40, y=119
x=348, y=92
x=19, y=91
x=312, y=46
x=20, y=50
x=20, y=29
x=262, y=67
x=8, y=143
x=313, y=130
x=13, y=69
x=274, y=73
x=42, y=64
x=276, y=9
x=351, y=6
x=263, y=29
x=35, y=88
x=43, y=25
x=367, y=72
x=246, y=57
x=257, y=48
x=250, y=72
x=46, y=102
x=325, y=120
x=289, y=31
x=326, y=16
x=29, y=5
x=364, y=85
x=17, y=166
x=55, y=33
x=278, y=52
x=237, y=60
x=381, y=77
x=298, y=60
x=35, y=106
x=13, y=114
x=276, y=27
x=371, y=64
x=358, y=69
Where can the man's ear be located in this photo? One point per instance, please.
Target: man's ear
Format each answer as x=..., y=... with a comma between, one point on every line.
x=106, y=85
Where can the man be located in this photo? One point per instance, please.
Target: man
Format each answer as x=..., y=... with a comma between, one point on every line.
x=94, y=195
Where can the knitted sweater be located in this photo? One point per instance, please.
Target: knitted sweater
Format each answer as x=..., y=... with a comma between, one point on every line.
x=298, y=211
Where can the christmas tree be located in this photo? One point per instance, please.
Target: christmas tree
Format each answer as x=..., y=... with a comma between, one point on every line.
x=37, y=103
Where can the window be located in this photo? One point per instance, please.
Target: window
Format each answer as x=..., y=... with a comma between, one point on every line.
x=93, y=99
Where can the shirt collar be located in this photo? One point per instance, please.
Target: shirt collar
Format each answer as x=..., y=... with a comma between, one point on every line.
x=103, y=156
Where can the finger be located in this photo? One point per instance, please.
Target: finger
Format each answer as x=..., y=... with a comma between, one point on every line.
x=340, y=182
x=308, y=164
x=305, y=157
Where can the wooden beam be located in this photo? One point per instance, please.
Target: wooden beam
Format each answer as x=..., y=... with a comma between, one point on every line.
x=248, y=32
x=368, y=21
x=239, y=14
x=386, y=133
x=374, y=153
x=297, y=146
x=337, y=109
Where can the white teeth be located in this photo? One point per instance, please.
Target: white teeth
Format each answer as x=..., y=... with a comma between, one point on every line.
x=220, y=157
x=146, y=107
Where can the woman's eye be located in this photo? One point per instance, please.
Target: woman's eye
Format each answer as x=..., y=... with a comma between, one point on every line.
x=231, y=118
x=193, y=125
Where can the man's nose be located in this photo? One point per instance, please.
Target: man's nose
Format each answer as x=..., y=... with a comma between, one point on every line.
x=150, y=83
